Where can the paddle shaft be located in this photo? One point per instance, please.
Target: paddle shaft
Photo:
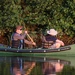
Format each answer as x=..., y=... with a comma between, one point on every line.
x=30, y=38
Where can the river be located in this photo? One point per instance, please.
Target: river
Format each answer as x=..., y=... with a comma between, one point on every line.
x=37, y=65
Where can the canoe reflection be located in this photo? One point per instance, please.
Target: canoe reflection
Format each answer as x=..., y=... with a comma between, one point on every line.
x=25, y=65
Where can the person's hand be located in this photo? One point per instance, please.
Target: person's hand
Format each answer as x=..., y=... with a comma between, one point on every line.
x=26, y=32
x=63, y=44
x=34, y=43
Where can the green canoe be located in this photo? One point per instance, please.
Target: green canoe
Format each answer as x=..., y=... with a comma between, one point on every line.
x=62, y=51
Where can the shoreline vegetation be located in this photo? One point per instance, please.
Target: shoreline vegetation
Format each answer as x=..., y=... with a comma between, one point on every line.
x=39, y=16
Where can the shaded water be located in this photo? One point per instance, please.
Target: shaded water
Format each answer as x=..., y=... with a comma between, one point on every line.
x=36, y=66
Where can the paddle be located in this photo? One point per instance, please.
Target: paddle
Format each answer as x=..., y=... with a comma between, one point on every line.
x=29, y=35
x=30, y=38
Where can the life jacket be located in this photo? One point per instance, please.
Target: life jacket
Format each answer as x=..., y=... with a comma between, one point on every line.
x=46, y=43
x=17, y=43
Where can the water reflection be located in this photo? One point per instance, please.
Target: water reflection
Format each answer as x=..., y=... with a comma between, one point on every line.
x=31, y=65
x=21, y=67
x=52, y=68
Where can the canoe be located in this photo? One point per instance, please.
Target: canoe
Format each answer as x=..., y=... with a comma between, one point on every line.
x=62, y=51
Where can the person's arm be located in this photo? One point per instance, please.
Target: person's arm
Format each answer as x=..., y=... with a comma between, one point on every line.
x=29, y=42
x=59, y=41
x=17, y=36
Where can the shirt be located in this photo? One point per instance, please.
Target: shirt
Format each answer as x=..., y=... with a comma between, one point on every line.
x=50, y=38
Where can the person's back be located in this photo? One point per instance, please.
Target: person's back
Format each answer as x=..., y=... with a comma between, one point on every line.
x=47, y=41
x=50, y=40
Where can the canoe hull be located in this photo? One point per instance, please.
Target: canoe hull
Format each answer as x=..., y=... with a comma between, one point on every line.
x=63, y=51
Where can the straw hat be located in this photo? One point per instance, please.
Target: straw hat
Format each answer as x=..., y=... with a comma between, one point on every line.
x=52, y=32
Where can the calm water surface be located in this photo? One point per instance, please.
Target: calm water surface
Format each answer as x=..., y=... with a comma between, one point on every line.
x=37, y=66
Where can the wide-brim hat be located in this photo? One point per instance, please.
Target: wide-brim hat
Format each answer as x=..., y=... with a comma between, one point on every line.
x=52, y=32
x=19, y=27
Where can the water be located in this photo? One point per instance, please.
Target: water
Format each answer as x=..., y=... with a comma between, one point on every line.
x=37, y=66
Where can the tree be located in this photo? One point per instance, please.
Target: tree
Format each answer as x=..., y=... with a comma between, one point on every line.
x=51, y=14
x=10, y=14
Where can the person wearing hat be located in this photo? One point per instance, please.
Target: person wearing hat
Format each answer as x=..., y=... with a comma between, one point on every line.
x=18, y=39
x=50, y=40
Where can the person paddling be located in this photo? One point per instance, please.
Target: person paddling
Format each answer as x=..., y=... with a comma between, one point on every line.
x=18, y=39
x=50, y=40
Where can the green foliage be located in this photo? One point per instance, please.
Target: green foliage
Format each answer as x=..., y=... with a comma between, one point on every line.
x=45, y=14
x=51, y=14
x=10, y=16
x=10, y=13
